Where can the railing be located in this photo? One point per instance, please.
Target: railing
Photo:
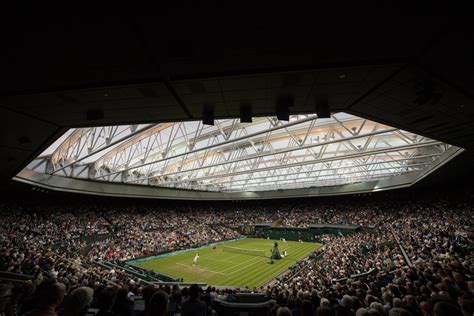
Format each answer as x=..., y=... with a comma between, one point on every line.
x=108, y=268
x=89, y=239
x=14, y=277
x=128, y=271
x=361, y=275
x=165, y=252
x=180, y=283
x=319, y=253
x=149, y=272
x=356, y=276
x=230, y=308
x=404, y=254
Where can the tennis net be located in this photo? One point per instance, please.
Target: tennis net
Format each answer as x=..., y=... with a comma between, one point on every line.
x=252, y=252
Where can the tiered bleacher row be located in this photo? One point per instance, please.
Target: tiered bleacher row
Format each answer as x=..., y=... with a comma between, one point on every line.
x=417, y=258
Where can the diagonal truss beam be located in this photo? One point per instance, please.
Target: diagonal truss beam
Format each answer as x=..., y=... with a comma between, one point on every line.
x=320, y=160
x=236, y=156
x=307, y=175
x=274, y=152
x=86, y=142
x=278, y=127
x=308, y=183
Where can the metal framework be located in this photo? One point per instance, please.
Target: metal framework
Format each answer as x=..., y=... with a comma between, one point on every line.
x=267, y=154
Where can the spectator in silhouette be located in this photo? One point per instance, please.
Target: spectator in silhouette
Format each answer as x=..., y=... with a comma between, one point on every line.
x=5, y=294
x=307, y=308
x=122, y=306
x=194, y=306
x=345, y=307
x=446, y=309
x=78, y=302
x=284, y=311
x=467, y=307
x=378, y=307
x=105, y=301
x=362, y=312
x=159, y=304
x=176, y=300
x=397, y=311
x=50, y=296
x=325, y=308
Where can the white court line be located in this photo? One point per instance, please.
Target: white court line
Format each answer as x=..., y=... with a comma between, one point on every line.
x=220, y=260
x=184, y=265
x=225, y=261
x=230, y=268
x=206, y=255
x=244, y=262
x=245, y=267
x=226, y=257
x=181, y=263
x=232, y=271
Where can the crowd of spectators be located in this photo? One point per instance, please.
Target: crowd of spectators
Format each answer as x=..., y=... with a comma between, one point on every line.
x=344, y=256
x=58, y=247
x=134, y=243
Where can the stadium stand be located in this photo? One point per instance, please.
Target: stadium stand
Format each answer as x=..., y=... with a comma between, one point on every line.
x=127, y=139
x=401, y=260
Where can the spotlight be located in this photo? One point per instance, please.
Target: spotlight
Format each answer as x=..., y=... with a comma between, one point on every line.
x=208, y=114
x=245, y=112
x=321, y=106
x=283, y=105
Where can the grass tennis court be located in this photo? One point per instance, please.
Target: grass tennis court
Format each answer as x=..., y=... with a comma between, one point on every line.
x=223, y=268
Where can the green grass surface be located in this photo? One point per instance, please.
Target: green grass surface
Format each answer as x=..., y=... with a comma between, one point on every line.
x=220, y=268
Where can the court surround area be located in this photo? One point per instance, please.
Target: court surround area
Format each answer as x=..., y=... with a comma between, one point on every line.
x=243, y=262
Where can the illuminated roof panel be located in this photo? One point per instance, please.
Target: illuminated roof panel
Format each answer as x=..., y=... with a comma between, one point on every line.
x=230, y=156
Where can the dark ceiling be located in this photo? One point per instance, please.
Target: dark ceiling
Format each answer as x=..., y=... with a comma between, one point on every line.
x=412, y=72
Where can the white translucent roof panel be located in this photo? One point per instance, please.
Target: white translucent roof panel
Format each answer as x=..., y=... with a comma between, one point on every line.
x=230, y=156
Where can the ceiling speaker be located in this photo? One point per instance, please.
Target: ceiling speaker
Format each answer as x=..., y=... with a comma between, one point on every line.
x=208, y=114
x=321, y=107
x=245, y=112
x=283, y=105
